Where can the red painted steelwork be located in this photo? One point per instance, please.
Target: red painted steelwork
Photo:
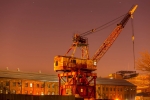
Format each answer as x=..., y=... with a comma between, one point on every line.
x=81, y=83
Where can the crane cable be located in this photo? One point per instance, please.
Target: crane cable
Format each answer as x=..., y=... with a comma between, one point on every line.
x=102, y=27
x=133, y=41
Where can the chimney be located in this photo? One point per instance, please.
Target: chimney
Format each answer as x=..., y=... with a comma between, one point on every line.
x=18, y=69
x=7, y=68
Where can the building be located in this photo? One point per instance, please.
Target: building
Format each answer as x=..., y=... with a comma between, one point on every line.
x=17, y=82
x=117, y=89
x=143, y=96
x=142, y=81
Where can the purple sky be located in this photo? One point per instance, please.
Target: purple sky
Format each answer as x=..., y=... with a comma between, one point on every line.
x=32, y=32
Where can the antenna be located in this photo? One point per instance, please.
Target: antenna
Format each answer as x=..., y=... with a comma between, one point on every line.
x=7, y=68
x=39, y=71
x=18, y=69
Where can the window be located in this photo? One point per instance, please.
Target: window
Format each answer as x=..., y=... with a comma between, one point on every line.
x=131, y=95
x=1, y=84
x=31, y=85
x=120, y=89
x=89, y=90
x=111, y=97
x=81, y=90
x=37, y=85
x=106, y=96
x=114, y=89
x=42, y=93
x=26, y=92
x=1, y=91
x=127, y=89
x=107, y=89
x=42, y=85
x=48, y=85
x=13, y=91
x=19, y=92
x=53, y=93
x=48, y=93
x=121, y=96
x=73, y=61
x=110, y=89
x=19, y=84
x=53, y=85
x=56, y=63
x=95, y=63
x=14, y=83
x=26, y=84
x=103, y=89
x=6, y=91
x=7, y=83
x=30, y=92
x=125, y=96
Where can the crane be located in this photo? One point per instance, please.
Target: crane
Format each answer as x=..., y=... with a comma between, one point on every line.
x=78, y=77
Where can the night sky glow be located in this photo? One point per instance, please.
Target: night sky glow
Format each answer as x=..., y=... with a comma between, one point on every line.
x=32, y=32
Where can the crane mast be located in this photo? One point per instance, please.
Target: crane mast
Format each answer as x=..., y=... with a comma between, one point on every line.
x=77, y=77
x=112, y=37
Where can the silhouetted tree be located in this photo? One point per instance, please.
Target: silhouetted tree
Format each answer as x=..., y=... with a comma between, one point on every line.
x=143, y=62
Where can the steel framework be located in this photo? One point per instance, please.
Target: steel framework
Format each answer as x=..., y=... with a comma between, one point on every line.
x=78, y=77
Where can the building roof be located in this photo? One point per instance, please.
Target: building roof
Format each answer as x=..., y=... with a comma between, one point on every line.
x=25, y=75
x=117, y=82
x=54, y=78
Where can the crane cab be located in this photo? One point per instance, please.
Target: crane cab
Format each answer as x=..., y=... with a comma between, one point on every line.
x=68, y=63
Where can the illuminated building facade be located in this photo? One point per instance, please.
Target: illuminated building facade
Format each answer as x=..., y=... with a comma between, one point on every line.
x=117, y=89
x=28, y=83
x=142, y=81
x=17, y=82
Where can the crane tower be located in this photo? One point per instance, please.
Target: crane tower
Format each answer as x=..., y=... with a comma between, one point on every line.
x=78, y=77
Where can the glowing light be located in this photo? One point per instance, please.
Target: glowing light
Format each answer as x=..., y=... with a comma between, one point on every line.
x=42, y=93
x=95, y=63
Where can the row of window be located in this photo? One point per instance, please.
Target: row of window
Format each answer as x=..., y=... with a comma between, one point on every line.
x=26, y=84
x=110, y=89
x=109, y=96
x=114, y=89
x=72, y=61
x=129, y=96
x=127, y=89
x=39, y=85
x=28, y=92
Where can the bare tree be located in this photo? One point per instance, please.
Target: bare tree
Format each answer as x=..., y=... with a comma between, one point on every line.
x=143, y=62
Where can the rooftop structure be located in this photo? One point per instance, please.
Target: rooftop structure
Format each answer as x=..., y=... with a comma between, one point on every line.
x=117, y=82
